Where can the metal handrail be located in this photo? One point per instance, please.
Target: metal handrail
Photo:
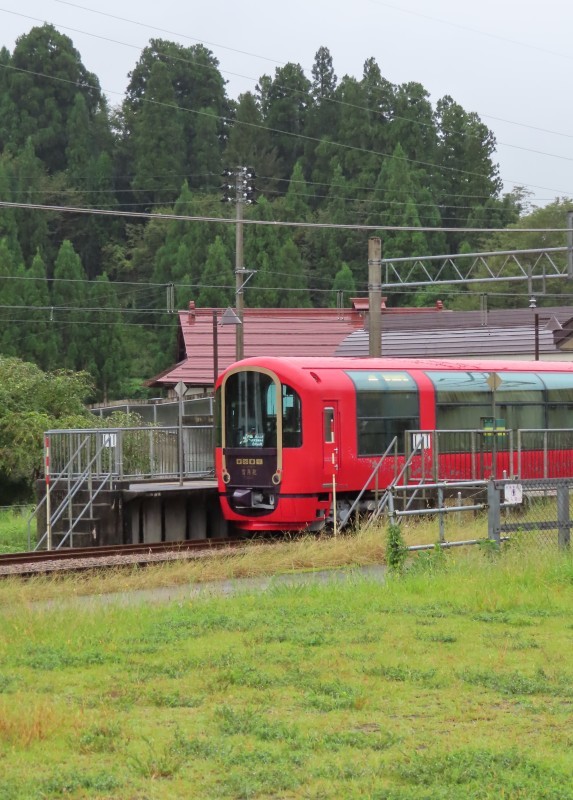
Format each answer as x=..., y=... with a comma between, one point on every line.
x=370, y=479
x=44, y=498
x=149, y=443
x=545, y=432
x=385, y=498
x=58, y=513
x=83, y=511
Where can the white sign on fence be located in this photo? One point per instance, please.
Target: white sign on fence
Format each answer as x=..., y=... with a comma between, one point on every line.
x=513, y=493
x=421, y=441
x=109, y=439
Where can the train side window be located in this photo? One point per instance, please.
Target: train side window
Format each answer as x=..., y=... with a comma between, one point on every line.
x=464, y=398
x=329, y=424
x=292, y=417
x=387, y=405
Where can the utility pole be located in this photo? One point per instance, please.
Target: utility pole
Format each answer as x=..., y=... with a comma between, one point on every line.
x=570, y=245
x=239, y=271
x=244, y=194
x=374, y=297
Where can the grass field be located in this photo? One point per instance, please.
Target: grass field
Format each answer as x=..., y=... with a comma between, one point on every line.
x=452, y=681
x=14, y=529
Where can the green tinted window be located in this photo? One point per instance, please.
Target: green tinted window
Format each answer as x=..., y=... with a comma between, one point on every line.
x=559, y=387
x=470, y=387
x=460, y=387
x=387, y=405
x=520, y=387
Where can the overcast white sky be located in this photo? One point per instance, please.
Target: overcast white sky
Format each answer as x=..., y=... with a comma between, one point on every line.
x=507, y=60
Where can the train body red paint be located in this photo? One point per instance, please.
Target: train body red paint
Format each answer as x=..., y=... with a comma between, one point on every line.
x=295, y=433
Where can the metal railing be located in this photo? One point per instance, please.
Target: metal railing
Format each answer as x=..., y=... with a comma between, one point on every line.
x=390, y=452
x=545, y=453
x=449, y=455
x=128, y=453
x=90, y=460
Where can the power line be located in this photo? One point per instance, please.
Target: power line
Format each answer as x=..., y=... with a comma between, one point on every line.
x=272, y=223
x=464, y=27
x=335, y=100
x=282, y=63
x=267, y=128
x=273, y=130
x=163, y=30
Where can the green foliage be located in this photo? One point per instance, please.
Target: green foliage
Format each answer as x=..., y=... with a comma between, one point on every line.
x=152, y=761
x=396, y=550
x=217, y=279
x=429, y=561
x=14, y=531
x=356, y=150
x=104, y=738
x=31, y=402
x=76, y=780
x=42, y=108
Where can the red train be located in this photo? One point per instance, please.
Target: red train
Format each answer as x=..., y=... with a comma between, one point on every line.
x=293, y=433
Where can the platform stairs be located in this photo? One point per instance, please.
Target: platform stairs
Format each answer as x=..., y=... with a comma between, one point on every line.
x=73, y=501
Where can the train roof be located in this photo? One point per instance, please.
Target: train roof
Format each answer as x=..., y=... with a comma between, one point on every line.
x=279, y=363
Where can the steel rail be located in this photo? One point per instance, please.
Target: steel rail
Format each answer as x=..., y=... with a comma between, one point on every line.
x=95, y=557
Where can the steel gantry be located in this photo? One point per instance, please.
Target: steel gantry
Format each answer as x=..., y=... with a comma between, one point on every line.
x=508, y=265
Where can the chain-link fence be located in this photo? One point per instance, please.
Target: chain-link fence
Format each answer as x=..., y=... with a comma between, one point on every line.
x=472, y=512
x=539, y=510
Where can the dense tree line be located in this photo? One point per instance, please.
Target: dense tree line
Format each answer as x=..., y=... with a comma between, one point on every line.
x=89, y=291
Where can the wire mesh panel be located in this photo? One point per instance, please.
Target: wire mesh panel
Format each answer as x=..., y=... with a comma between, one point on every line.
x=537, y=510
x=160, y=413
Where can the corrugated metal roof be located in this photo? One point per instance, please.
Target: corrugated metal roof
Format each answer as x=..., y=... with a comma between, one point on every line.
x=500, y=333
x=402, y=318
x=486, y=342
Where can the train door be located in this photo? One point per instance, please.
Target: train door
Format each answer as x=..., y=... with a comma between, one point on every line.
x=331, y=441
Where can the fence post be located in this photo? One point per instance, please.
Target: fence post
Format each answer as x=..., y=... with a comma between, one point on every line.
x=493, y=513
x=391, y=518
x=563, y=527
x=441, y=520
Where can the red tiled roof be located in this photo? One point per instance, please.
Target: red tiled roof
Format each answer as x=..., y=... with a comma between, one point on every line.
x=267, y=331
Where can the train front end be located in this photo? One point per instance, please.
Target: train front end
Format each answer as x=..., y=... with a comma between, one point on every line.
x=258, y=451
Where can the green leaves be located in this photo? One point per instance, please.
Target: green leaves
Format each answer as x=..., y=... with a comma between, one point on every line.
x=32, y=402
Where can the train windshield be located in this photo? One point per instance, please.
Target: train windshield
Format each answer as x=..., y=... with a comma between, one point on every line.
x=251, y=411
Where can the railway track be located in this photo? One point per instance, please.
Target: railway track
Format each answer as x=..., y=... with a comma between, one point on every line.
x=85, y=558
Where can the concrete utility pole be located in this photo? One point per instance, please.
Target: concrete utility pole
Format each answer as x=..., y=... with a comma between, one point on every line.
x=239, y=273
x=374, y=297
x=570, y=245
x=244, y=192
